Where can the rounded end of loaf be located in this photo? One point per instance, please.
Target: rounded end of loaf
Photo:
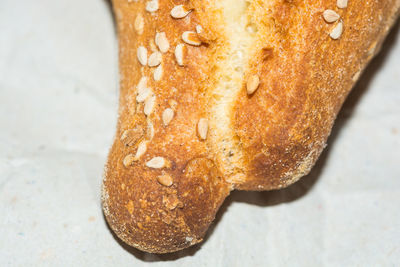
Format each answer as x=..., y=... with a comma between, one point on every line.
x=283, y=167
x=156, y=215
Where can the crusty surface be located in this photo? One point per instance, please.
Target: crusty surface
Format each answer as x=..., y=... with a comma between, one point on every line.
x=135, y=204
x=307, y=75
x=266, y=140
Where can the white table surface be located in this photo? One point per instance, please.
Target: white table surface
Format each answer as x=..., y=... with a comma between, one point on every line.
x=58, y=106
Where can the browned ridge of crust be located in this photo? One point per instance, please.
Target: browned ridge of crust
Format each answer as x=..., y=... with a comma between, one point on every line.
x=219, y=95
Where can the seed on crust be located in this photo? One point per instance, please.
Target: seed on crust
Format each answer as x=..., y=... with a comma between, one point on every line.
x=204, y=35
x=142, y=147
x=131, y=136
x=172, y=103
x=128, y=160
x=356, y=76
x=162, y=42
x=152, y=6
x=152, y=45
x=337, y=31
x=179, y=51
x=141, y=97
x=252, y=84
x=158, y=72
x=156, y=163
x=330, y=16
x=167, y=116
x=150, y=130
x=142, y=55
x=372, y=48
x=172, y=201
x=139, y=24
x=155, y=59
x=202, y=128
x=165, y=180
x=149, y=104
x=142, y=85
x=180, y=11
x=199, y=29
x=191, y=38
x=341, y=3
x=143, y=91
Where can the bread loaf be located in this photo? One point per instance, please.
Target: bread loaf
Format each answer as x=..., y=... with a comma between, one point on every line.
x=218, y=95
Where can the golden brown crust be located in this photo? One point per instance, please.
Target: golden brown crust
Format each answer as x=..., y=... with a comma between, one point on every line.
x=284, y=125
x=142, y=212
x=167, y=175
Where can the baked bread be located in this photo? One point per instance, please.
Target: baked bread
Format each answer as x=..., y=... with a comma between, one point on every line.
x=218, y=95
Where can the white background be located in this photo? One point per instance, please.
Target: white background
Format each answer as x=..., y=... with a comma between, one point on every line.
x=58, y=106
